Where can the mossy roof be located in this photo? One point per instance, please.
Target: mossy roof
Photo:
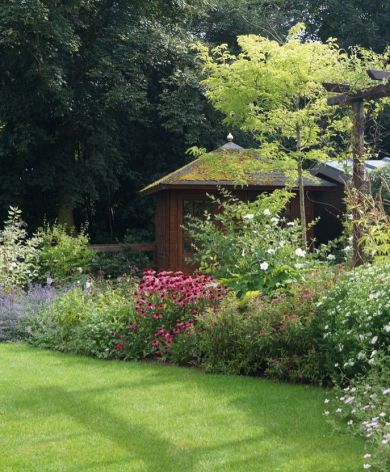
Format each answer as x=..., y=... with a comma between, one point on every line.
x=228, y=166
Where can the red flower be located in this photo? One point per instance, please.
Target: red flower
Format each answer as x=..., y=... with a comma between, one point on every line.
x=133, y=326
x=118, y=347
x=155, y=343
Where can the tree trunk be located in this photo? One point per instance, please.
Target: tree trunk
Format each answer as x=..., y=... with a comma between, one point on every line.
x=66, y=214
x=358, y=179
x=301, y=190
x=302, y=211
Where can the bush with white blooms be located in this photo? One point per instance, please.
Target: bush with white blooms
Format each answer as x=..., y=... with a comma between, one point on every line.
x=355, y=319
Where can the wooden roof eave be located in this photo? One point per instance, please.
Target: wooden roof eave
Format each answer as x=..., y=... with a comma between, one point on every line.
x=213, y=186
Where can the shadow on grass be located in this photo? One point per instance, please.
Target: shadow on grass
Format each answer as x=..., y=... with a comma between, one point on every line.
x=278, y=417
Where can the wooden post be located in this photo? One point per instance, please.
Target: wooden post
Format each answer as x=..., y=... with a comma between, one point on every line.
x=359, y=180
x=356, y=99
x=358, y=177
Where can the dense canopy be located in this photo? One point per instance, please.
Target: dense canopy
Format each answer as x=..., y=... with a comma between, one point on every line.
x=99, y=98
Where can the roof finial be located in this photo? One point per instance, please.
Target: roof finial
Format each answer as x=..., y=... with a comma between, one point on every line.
x=230, y=137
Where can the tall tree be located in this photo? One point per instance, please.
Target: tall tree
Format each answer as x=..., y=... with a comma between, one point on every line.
x=84, y=95
x=276, y=91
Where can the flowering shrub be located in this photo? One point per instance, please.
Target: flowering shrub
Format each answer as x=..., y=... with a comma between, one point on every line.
x=167, y=304
x=250, y=246
x=364, y=406
x=355, y=321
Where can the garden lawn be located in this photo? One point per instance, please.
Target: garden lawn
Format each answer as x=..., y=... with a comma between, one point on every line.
x=61, y=412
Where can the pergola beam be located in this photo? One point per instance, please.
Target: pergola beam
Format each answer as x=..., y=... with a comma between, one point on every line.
x=378, y=74
x=336, y=88
x=372, y=93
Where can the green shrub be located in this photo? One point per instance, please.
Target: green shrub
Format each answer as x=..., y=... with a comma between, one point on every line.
x=250, y=246
x=84, y=321
x=116, y=264
x=64, y=255
x=19, y=255
x=275, y=336
x=354, y=318
x=380, y=184
x=185, y=350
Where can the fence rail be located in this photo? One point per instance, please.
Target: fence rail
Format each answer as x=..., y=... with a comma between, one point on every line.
x=143, y=247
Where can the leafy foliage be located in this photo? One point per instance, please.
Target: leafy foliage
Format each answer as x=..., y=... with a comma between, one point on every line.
x=274, y=337
x=363, y=406
x=355, y=321
x=380, y=182
x=83, y=320
x=250, y=246
x=64, y=255
x=19, y=254
x=112, y=265
x=98, y=77
x=17, y=304
x=275, y=90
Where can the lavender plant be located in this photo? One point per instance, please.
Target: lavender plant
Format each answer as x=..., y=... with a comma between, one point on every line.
x=18, y=305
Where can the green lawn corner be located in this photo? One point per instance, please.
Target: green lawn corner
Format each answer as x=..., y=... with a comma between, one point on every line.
x=67, y=413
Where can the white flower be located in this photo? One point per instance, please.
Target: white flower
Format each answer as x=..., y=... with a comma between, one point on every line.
x=326, y=400
x=290, y=223
x=367, y=456
x=80, y=270
x=249, y=216
x=374, y=339
x=366, y=466
x=326, y=413
x=264, y=265
x=300, y=252
x=347, y=248
x=387, y=328
x=339, y=410
x=266, y=212
x=274, y=219
x=350, y=423
x=271, y=251
x=331, y=257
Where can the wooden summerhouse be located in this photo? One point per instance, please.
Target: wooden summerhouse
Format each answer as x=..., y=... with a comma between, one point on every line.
x=184, y=192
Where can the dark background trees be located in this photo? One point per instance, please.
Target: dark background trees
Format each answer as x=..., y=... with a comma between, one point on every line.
x=99, y=97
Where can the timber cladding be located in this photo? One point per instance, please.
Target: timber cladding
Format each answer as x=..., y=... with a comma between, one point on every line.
x=171, y=250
